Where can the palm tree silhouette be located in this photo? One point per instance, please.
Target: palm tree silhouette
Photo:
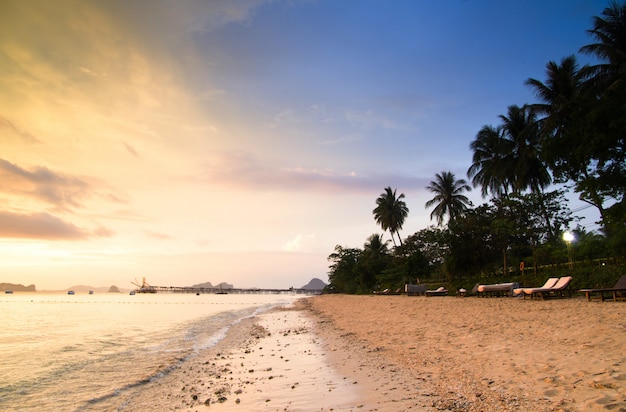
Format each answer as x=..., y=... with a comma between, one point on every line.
x=489, y=169
x=449, y=198
x=390, y=212
x=611, y=47
x=508, y=157
x=528, y=171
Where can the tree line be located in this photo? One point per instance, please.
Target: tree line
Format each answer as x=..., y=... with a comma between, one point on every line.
x=572, y=137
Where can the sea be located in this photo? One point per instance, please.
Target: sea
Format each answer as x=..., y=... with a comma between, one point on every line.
x=87, y=352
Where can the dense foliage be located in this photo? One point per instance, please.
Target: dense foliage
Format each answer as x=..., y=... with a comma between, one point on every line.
x=574, y=136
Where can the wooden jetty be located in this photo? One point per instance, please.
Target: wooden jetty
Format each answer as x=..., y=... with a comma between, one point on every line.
x=223, y=291
x=145, y=287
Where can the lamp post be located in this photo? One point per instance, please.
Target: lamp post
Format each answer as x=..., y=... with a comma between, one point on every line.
x=568, y=237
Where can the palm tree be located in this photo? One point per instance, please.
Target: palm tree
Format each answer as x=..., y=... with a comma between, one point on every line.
x=558, y=94
x=373, y=262
x=449, y=199
x=508, y=156
x=528, y=169
x=610, y=33
x=376, y=245
x=604, y=159
x=390, y=212
x=562, y=105
x=491, y=162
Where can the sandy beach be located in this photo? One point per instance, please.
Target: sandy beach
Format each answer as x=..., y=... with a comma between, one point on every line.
x=396, y=353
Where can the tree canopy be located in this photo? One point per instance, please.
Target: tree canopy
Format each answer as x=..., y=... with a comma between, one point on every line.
x=572, y=136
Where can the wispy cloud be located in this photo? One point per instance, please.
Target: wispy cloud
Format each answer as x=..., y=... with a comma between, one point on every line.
x=370, y=119
x=33, y=192
x=303, y=243
x=244, y=170
x=43, y=184
x=157, y=235
x=24, y=135
x=315, y=113
x=130, y=149
x=39, y=226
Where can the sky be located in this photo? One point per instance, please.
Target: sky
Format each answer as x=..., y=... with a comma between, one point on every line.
x=240, y=141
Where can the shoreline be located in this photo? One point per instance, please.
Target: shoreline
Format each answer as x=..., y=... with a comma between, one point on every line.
x=391, y=353
x=271, y=361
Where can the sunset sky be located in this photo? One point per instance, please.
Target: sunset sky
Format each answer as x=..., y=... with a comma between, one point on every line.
x=239, y=140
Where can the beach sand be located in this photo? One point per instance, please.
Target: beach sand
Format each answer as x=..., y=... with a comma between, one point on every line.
x=400, y=353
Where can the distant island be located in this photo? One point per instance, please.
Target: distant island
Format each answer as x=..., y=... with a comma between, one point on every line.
x=314, y=284
x=16, y=287
x=103, y=289
x=208, y=285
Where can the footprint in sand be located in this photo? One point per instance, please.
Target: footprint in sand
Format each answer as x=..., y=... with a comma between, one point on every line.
x=551, y=393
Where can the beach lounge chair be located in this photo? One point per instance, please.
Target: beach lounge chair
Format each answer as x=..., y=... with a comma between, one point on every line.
x=617, y=292
x=414, y=290
x=441, y=291
x=559, y=290
x=496, y=289
x=529, y=291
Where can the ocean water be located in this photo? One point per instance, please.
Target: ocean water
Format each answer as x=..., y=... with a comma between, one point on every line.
x=82, y=352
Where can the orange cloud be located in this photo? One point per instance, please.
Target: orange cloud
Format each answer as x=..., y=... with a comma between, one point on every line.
x=38, y=226
x=42, y=184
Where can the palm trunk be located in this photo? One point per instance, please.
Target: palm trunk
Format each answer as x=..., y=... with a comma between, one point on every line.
x=393, y=238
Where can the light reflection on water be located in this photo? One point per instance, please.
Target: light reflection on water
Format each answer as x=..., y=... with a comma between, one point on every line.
x=72, y=350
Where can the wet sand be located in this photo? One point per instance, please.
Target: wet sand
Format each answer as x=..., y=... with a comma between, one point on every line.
x=272, y=362
x=398, y=353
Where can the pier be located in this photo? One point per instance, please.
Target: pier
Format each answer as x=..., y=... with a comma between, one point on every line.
x=223, y=291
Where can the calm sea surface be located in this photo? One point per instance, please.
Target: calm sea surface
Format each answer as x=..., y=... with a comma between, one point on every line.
x=80, y=352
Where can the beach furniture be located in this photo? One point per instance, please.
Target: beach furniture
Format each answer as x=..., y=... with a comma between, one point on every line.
x=414, y=290
x=617, y=292
x=559, y=290
x=441, y=291
x=522, y=291
x=496, y=289
x=388, y=292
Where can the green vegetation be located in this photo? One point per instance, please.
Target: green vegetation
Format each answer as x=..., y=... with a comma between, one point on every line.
x=574, y=137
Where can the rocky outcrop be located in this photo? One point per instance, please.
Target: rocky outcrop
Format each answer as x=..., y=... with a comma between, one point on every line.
x=314, y=284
